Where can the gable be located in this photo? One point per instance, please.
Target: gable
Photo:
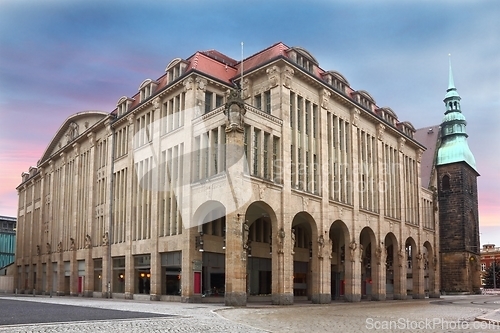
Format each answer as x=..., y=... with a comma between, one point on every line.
x=71, y=129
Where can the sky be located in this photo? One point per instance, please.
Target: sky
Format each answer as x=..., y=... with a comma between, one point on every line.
x=58, y=58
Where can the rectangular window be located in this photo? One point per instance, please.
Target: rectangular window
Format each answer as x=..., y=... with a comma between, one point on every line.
x=265, y=155
x=267, y=101
x=299, y=114
x=256, y=152
x=292, y=108
x=258, y=102
x=208, y=101
x=219, y=100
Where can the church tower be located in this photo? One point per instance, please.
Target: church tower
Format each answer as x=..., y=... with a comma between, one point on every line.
x=458, y=203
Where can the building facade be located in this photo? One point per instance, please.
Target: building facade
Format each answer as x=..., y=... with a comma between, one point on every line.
x=262, y=179
x=7, y=240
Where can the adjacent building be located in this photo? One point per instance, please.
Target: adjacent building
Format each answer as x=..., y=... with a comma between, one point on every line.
x=7, y=240
x=268, y=178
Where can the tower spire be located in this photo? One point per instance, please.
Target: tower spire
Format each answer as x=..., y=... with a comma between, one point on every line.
x=451, y=83
x=454, y=147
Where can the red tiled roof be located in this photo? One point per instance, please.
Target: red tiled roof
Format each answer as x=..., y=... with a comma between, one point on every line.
x=212, y=67
x=263, y=56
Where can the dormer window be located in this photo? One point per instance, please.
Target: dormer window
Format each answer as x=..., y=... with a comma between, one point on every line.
x=123, y=105
x=407, y=128
x=364, y=98
x=175, y=69
x=303, y=58
x=147, y=88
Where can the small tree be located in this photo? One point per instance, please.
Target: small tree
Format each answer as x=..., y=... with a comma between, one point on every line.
x=489, y=281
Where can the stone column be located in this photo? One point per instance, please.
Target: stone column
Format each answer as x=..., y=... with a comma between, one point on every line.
x=73, y=284
x=379, y=274
x=282, y=271
x=353, y=273
x=60, y=271
x=324, y=278
x=129, y=276
x=88, y=290
x=236, y=264
x=400, y=274
x=418, y=275
x=106, y=270
x=155, y=266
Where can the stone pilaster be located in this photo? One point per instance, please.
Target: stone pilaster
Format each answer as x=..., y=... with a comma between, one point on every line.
x=129, y=276
x=155, y=292
x=236, y=264
x=378, y=275
x=88, y=289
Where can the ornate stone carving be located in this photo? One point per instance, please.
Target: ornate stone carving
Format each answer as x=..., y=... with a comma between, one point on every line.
x=419, y=260
x=246, y=230
x=105, y=239
x=401, y=257
x=273, y=76
x=88, y=242
x=287, y=75
x=325, y=98
x=420, y=152
x=247, y=85
x=330, y=248
x=156, y=103
x=72, y=245
x=38, y=251
x=355, y=116
x=188, y=84
x=91, y=137
x=378, y=254
x=352, y=247
x=59, y=247
x=201, y=83
x=72, y=132
x=380, y=131
x=401, y=142
x=76, y=148
x=234, y=110
x=321, y=245
x=131, y=119
x=281, y=237
x=361, y=252
x=48, y=248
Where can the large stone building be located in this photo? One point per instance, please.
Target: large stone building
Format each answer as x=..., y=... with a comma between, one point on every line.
x=263, y=179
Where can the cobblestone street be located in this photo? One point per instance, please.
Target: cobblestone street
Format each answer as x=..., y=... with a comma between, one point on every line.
x=445, y=315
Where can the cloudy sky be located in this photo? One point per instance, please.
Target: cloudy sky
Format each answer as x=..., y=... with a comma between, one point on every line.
x=61, y=57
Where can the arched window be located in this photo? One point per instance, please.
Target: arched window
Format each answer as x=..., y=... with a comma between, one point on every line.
x=445, y=183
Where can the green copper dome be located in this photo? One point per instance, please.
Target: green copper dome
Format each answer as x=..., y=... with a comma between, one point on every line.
x=454, y=147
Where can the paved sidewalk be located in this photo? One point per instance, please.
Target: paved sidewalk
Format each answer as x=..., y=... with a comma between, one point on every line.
x=445, y=315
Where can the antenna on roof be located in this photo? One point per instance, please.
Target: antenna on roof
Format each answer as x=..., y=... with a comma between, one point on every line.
x=241, y=80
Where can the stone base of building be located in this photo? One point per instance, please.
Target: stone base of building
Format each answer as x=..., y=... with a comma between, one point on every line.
x=105, y=294
x=191, y=299
x=282, y=299
x=74, y=294
x=434, y=295
x=400, y=296
x=378, y=297
x=235, y=299
x=321, y=298
x=154, y=297
x=352, y=298
x=60, y=293
x=418, y=296
x=88, y=293
x=129, y=296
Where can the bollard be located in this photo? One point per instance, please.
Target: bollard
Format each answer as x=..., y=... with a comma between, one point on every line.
x=16, y=291
x=51, y=294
